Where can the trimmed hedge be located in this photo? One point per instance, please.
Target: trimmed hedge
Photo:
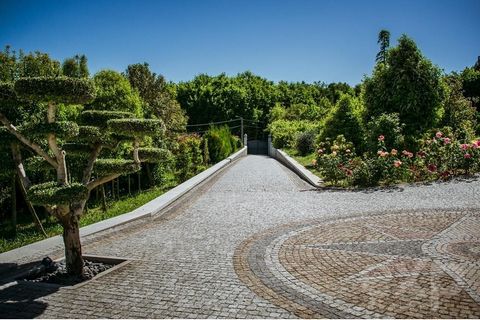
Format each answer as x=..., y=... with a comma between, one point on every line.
x=50, y=193
x=63, y=129
x=56, y=89
x=104, y=167
x=136, y=127
x=99, y=118
x=153, y=155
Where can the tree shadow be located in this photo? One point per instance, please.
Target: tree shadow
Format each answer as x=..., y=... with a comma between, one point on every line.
x=19, y=299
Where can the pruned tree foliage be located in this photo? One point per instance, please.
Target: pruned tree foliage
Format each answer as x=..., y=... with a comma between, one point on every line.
x=57, y=142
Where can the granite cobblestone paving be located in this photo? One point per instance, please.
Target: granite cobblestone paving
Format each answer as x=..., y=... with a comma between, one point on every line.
x=261, y=243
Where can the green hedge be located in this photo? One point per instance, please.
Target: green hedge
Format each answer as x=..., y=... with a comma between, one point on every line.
x=220, y=143
x=136, y=127
x=153, y=155
x=104, y=167
x=50, y=193
x=63, y=129
x=99, y=118
x=56, y=89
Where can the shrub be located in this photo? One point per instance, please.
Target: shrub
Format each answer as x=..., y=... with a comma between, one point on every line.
x=219, y=143
x=284, y=131
x=388, y=126
x=334, y=159
x=344, y=120
x=189, y=160
x=305, y=142
x=50, y=193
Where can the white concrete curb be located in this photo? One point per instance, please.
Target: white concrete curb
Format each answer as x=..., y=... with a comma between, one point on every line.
x=149, y=209
x=296, y=167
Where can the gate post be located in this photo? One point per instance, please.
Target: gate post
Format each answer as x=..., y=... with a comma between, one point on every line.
x=245, y=140
x=269, y=146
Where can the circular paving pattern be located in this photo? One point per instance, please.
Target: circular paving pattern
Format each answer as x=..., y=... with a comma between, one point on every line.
x=405, y=264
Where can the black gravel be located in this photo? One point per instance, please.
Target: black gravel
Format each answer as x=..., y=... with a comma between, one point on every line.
x=49, y=271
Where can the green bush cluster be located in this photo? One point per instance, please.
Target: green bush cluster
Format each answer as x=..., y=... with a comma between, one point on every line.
x=153, y=155
x=99, y=118
x=220, y=143
x=189, y=158
x=136, y=127
x=50, y=193
x=284, y=132
x=57, y=89
x=440, y=156
x=104, y=167
x=62, y=129
x=305, y=142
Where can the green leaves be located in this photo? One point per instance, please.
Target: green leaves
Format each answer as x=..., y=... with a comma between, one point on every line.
x=7, y=93
x=153, y=155
x=56, y=89
x=63, y=129
x=136, y=127
x=50, y=193
x=100, y=118
x=105, y=167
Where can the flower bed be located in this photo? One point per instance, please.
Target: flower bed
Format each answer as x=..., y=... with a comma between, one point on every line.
x=440, y=156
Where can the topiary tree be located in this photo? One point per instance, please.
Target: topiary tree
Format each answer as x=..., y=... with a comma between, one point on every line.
x=65, y=198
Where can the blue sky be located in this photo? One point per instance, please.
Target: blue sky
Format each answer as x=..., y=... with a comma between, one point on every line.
x=299, y=40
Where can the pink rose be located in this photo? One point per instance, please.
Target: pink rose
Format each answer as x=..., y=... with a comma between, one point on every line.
x=447, y=141
x=397, y=163
x=432, y=168
x=438, y=135
x=381, y=138
x=464, y=146
x=467, y=155
x=394, y=152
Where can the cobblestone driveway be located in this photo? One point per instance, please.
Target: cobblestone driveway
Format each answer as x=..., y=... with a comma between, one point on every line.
x=259, y=242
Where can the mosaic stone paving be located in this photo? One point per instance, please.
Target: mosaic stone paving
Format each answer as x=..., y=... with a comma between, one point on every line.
x=413, y=265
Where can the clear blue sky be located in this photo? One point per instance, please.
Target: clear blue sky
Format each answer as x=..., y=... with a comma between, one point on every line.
x=281, y=40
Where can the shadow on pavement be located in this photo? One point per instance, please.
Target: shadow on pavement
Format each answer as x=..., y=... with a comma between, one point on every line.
x=19, y=299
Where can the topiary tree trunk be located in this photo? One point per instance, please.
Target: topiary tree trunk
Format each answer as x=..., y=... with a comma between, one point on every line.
x=66, y=197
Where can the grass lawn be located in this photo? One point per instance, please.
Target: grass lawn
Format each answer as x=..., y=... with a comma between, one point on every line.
x=305, y=161
x=27, y=233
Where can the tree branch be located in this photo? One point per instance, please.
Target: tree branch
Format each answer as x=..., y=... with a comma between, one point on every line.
x=17, y=159
x=35, y=147
x=87, y=173
x=52, y=142
x=95, y=183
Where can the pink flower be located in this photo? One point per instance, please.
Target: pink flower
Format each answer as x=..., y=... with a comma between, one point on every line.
x=394, y=152
x=438, y=135
x=447, y=140
x=467, y=155
x=432, y=168
x=464, y=146
x=475, y=145
x=381, y=138
x=383, y=154
x=320, y=151
x=407, y=154
x=397, y=163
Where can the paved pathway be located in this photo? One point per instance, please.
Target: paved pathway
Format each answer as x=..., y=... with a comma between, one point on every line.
x=259, y=242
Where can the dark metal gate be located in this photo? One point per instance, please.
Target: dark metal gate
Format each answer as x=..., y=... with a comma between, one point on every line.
x=257, y=147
